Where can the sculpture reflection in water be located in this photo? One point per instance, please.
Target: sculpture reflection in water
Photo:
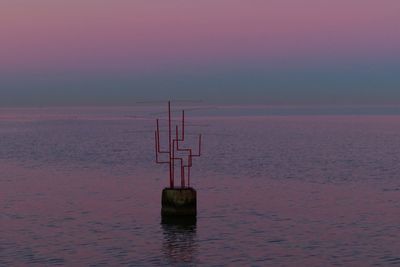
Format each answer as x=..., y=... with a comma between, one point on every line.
x=180, y=241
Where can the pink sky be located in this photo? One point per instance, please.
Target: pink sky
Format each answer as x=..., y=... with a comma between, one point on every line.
x=114, y=52
x=141, y=35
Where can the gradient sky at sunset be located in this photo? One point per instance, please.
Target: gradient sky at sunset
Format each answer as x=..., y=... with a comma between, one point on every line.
x=118, y=52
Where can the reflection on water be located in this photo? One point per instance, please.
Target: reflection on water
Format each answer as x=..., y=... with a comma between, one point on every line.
x=79, y=188
x=179, y=240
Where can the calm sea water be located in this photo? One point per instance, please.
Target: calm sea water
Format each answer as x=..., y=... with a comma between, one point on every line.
x=78, y=187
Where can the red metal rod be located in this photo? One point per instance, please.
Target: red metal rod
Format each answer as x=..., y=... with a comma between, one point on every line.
x=158, y=140
x=182, y=171
x=199, y=149
x=189, y=159
x=156, y=144
x=171, y=170
x=173, y=159
x=183, y=134
x=174, y=148
x=176, y=141
x=158, y=137
x=190, y=156
x=199, y=145
x=183, y=125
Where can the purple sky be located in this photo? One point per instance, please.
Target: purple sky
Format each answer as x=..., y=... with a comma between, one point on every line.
x=273, y=52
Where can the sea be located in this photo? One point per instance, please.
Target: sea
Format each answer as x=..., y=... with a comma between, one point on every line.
x=276, y=186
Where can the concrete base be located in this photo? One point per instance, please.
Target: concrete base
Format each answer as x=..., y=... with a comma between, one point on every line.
x=178, y=202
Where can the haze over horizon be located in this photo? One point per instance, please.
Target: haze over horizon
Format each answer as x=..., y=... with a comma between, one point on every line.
x=278, y=52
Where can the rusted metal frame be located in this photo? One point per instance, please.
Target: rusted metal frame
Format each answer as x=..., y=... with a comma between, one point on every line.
x=171, y=151
x=171, y=161
x=190, y=159
x=199, y=148
x=174, y=141
x=189, y=165
x=182, y=171
x=181, y=139
x=158, y=139
x=156, y=150
x=191, y=155
x=157, y=147
x=176, y=146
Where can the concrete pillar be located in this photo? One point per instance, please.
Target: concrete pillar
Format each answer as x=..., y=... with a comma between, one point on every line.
x=178, y=202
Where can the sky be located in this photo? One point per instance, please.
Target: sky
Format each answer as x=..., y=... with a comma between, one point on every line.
x=273, y=52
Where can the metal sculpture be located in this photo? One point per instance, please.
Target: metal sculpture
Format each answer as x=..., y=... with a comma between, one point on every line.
x=176, y=153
